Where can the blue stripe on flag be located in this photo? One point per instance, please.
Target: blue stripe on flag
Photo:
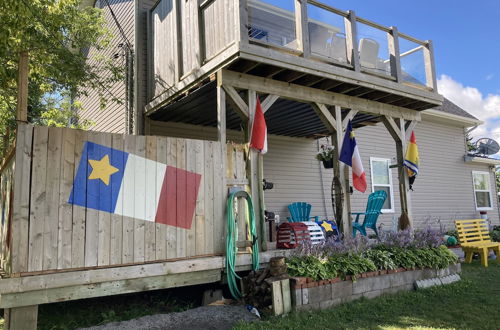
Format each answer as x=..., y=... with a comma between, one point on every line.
x=92, y=192
x=411, y=166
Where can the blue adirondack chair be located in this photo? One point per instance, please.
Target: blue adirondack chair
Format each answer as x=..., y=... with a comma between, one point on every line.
x=300, y=211
x=373, y=209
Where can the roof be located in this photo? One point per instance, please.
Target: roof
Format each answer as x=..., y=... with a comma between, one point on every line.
x=452, y=108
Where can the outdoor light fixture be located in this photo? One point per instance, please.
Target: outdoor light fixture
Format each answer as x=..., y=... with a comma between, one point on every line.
x=266, y=185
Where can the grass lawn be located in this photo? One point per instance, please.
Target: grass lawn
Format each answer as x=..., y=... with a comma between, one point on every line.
x=473, y=303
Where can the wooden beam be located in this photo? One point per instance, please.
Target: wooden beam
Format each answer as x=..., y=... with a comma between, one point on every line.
x=392, y=127
x=308, y=94
x=348, y=117
x=325, y=116
x=301, y=27
x=22, y=318
x=22, y=88
x=351, y=32
x=394, y=56
x=268, y=102
x=236, y=101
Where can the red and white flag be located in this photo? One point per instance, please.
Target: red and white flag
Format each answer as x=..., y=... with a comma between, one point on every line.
x=258, y=137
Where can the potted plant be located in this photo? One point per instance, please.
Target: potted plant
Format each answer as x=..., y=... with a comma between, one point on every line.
x=325, y=155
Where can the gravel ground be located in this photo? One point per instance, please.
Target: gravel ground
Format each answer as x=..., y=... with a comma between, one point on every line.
x=206, y=318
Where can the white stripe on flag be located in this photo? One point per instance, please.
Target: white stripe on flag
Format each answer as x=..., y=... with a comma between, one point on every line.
x=146, y=184
x=357, y=165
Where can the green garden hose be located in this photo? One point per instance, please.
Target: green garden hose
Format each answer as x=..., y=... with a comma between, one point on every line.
x=232, y=237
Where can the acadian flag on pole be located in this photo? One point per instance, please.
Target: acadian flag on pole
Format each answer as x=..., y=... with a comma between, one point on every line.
x=110, y=180
x=349, y=154
x=258, y=137
x=411, y=159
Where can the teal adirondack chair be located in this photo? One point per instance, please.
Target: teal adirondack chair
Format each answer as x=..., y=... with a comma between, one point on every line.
x=300, y=211
x=373, y=209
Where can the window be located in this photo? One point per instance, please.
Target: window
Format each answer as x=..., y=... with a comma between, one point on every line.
x=482, y=190
x=382, y=180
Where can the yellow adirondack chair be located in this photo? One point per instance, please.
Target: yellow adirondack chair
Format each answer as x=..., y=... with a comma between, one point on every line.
x=474, y=237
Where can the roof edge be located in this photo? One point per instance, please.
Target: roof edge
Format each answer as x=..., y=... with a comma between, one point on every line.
x=481, y=160
x=438, y=115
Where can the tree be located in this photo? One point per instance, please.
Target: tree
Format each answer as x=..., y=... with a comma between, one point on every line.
x=55, y=33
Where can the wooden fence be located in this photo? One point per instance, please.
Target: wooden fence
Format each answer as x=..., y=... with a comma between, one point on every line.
x=87, y=199
x=6, y=194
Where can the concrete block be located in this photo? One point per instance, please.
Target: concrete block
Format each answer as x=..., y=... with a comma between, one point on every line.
x=341, y=289
x=443, y=272
x=305, y=296
x=297, y=297
x=455, y=269
x=314, y=295
x=308, y=307
x=352, y=297
x=372, y=294
x=327, y=304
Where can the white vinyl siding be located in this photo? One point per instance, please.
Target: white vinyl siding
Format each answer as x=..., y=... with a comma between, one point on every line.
x=482, y=190
x=381, y=175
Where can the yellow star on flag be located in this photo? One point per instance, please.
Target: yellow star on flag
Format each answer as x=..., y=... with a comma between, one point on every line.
x=102, y=169
x=327, y=226
x=352, y=136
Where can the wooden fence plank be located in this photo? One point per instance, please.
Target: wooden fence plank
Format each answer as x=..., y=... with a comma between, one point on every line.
x=191, y=185
x=139, y=197
x=128, y=206
x=209, y=196
x=52, y=186
x=181, y=200
x=151, y=199
x=64, y=255
x=172, y=203
x=20, y=230
x=200, y=205
x=104, y=229
x=161, y=229
x=92, y=217
x=38, y=198
x=219, y=177
x=115, y=257
x=79, y=212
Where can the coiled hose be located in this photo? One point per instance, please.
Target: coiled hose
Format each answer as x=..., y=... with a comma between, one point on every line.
x=232, y=237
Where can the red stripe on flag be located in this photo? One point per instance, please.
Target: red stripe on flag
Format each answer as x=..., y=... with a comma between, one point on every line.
x=359, y=182
x=178, y=198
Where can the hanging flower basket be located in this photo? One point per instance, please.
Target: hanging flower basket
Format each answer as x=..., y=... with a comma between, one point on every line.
x=328, y=163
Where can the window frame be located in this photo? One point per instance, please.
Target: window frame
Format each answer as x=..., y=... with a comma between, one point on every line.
x=488, y=191
x=390, y=185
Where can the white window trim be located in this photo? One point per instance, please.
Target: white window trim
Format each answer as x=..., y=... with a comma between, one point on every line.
x=489, y=191
x=391, y=189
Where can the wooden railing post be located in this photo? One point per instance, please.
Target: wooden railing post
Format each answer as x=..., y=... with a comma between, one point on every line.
x=242, y=27
x=301, y=27
x=430, y=69
x=22, y=88
x=395, y=59
x=352, y=40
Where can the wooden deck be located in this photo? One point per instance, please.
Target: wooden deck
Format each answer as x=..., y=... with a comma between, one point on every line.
x=260, y=39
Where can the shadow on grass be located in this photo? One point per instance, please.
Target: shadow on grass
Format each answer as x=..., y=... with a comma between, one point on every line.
x=472, y=303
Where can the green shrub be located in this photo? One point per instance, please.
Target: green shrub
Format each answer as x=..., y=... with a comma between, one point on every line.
x=495, y=234
x=351, y=265
x=383, y=259
x=309, y=266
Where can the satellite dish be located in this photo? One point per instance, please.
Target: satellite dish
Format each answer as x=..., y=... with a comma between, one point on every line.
x=486, y=146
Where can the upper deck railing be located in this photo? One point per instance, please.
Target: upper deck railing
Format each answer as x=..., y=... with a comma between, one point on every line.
x=191, y=39
x=315, y=30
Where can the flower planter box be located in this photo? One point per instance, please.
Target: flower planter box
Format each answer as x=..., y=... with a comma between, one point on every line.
x=327, y=293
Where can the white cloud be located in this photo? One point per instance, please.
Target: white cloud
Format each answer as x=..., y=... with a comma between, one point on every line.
x=485, y=108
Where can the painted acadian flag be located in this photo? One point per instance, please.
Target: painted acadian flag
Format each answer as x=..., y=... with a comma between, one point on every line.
x=411, y=158
x=349, y=154
x=119, y=182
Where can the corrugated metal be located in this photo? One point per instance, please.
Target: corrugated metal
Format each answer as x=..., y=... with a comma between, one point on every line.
x=112, y=118
x=442, y=192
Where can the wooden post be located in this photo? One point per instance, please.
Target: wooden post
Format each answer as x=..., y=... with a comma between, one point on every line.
x=221, y=135
x=242, y=27
x=351, y=32
x=22, y=88
x=301, y=27
x=398, y=133
x=430, y=68
x=339, y=171
x=255, y=172
x=21, y=318
x=393, y=39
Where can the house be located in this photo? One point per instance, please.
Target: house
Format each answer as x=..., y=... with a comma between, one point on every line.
x=194, y=72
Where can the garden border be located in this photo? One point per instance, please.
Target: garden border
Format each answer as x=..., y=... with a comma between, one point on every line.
x=308, y=294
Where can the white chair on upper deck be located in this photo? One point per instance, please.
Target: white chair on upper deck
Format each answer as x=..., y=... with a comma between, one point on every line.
x=368, y=53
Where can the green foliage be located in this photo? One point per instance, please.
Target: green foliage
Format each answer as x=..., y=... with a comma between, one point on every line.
x=310, y=266
x=55, y=33
x=382, y=259
x=471, y=303
x=352, y=265
x=495, y=234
